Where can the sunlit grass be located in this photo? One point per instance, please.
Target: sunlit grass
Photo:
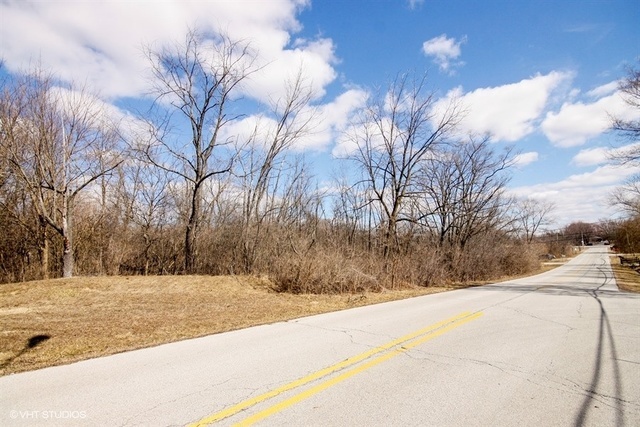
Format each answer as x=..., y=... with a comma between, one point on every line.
x=86, y=317
x=626, y=277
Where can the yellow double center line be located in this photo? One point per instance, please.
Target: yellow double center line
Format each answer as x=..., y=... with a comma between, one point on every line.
x=399, y=346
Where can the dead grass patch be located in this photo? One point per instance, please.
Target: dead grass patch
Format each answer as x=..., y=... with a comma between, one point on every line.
x=627, y=278
x=54, y=322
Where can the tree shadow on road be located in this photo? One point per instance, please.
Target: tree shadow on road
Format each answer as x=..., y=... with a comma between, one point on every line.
x=604, y=332
x=605, y=337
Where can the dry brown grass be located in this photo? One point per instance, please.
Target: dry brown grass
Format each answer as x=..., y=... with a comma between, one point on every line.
x=627, y=278
x=53, y=322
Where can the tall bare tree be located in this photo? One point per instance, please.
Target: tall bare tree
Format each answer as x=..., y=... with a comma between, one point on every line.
x=195, y=82
x=148, y=200
x=264, y=162
x=396, y=133
x=463, y=190
x=627, y=196
x=59, y=142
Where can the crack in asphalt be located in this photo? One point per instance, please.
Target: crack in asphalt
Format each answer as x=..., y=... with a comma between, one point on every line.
x=547, y=380
x=571, y=328
x=348, y=332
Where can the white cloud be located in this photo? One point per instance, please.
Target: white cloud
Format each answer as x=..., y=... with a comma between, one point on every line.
x=444, y=51
x=580, y=197
x=508, y=112
x=350, y=140
x=335, y=117
x=414, y=4
x=331, y=119
x=603, y=90
x=340, y=110
x=526, y=158
x=576, y=123
x=79, y=40
x=327, y=122
x=591, y=156
x=314, y=58
x=601, y=155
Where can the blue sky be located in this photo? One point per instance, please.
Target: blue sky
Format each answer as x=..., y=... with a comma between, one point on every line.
x=539, y=75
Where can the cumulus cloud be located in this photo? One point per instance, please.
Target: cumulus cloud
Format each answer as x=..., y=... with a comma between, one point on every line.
x=525, y=158
x=508, y=112
x=445, y=51
x=349, y=140
x=332, y=119
x=313, y=57
x=602, y=155
x=603, y=90
x=83, y=44
x=582, y=196
x=325, y=123
x=591, y=156
x=577, y=122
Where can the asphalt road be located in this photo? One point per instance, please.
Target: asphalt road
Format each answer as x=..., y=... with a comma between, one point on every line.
x=561, y=348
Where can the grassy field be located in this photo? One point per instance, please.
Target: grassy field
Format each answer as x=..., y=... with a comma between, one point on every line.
x=53, y=322
x=626, y=278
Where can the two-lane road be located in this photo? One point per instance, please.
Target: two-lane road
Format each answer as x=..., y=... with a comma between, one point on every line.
x=561, y=348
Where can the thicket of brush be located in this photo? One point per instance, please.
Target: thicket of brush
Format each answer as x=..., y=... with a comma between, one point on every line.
x=205, y=182
x=311, y=256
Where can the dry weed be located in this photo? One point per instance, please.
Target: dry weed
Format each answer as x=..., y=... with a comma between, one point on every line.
x=54, y=322
x=627, y=278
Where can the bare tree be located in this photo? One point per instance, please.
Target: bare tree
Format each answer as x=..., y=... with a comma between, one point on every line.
x=22, y=233
x=530, y=215
x=148, y=199
x=579, y=232
x=627, y=196
x=396, y=133
x=264, y=161
x=59, y=142
x=463, y=191
x=350, y=210
x=629, y=128
x=195, y=82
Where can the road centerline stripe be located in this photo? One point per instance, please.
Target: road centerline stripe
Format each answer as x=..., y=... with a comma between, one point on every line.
x=356, y=370
x=232, y=410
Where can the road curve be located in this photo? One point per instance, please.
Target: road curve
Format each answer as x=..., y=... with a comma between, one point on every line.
x=561, y=348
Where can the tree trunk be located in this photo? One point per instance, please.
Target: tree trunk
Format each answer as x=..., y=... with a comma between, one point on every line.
x=190, y=241
x=67, y=241
x=389, y=248
x=44, y=248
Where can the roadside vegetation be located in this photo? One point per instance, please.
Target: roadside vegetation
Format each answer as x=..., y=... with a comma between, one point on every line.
x=58, y=321
x=177, y=201
x=202, y=184
x=627, y=274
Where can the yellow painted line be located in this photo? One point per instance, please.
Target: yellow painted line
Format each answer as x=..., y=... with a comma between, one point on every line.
x=232, y=410
x=350, y=373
